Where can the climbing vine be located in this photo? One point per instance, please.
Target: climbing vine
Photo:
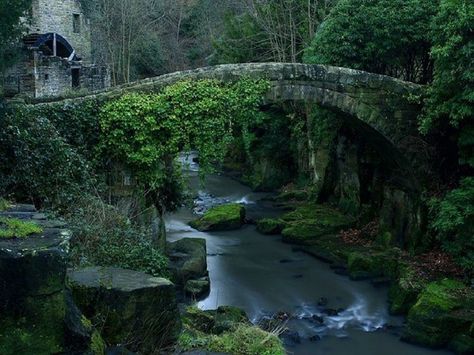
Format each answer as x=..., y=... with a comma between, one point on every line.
x=146, y=132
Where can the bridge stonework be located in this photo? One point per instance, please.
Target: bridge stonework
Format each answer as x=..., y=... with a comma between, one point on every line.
x=384, y=103
x=383, y=106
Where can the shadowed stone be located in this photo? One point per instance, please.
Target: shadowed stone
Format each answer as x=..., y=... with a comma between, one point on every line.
x=130, y=307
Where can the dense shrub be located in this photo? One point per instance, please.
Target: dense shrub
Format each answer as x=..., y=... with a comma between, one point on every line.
x=37, y=164
x=104, y=236
x=453, y=222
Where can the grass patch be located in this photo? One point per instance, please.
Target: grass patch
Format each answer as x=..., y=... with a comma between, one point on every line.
x=16, y=228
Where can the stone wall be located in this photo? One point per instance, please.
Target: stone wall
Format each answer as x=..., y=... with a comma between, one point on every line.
x=58, y=16
x=37, y=76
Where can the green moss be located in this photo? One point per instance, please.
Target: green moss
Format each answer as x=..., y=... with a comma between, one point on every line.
x=247, y=340
x=363, y=266
x=97, y=344
x=307, y=223
x=4, y=204
x=223, y=217
x=384, y=239
x=16, y=228
x=438, y=314
x=462, y=344
x=404, y=291
x=225, y=330
x=294, y=195
x=19, y=338
x=41, y=331
x=86, y=323
x=270, y=226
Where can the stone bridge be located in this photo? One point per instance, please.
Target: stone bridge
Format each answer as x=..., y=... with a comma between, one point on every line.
x=380, y=104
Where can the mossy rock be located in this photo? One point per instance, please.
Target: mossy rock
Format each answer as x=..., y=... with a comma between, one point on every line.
x=225, y=330
x=307, y=223
x=270, y=226
x=217, y=321
x=228, y=318
x=462, y=344
x=364, y=265
x=188, y=259
x=221, y=218
x=442, y=311
x=404, y=290
x=198, y=288
x=372, y=263
x=293, y=195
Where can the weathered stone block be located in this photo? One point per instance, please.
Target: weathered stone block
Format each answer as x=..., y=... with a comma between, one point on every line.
x=130, y=307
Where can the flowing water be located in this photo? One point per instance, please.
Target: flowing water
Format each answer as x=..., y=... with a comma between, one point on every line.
x=263, y=276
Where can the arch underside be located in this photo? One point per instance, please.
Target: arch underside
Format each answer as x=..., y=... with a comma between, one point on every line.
x=375, y=125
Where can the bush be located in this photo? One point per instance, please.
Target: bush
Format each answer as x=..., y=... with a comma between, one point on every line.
x=453, y=222
x=37, y=165
x=105, y=237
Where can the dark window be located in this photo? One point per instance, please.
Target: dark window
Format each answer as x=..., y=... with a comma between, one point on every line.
x=76, y=77
x=76, y=23
x=46, y=77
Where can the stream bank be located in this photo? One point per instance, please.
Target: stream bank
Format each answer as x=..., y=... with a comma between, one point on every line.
x=264, y=277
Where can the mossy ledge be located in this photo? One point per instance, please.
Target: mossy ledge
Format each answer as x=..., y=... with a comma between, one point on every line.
x=443, y=314
x=221, y=218
x=16, y=228
x=308, y=222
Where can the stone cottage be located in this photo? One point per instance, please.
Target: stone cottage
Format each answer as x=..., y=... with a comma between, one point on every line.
x=57, y=53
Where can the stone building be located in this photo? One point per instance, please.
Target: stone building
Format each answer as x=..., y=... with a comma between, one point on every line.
x=57, y=53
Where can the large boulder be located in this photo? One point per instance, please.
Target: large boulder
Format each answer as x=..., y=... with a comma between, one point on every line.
x=443, y=311
x=129, y=307
x=404, y=290
x=32, y=282
x=221, y=218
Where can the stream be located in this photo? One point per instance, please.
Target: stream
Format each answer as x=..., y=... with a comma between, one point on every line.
x=263, y=276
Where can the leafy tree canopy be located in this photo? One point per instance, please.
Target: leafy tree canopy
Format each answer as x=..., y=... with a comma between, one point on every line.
x=146, y=132
x=451, y=94
x=382, y=36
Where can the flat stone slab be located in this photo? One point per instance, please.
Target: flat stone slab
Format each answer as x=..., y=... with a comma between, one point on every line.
x=115, y=278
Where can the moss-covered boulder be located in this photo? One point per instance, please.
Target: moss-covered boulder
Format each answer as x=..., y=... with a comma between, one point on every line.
x=307, y=223
x=270, y=226
x=129, y=307
x=404, y=290
x=443, y=310
x=221, y=218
